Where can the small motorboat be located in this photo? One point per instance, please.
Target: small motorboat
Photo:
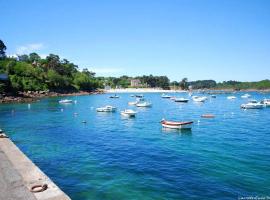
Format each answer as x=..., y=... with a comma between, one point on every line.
x=144, y=104
x=199, y=99
x=128, y=113
x=231, y=97
x=266, y=102
x=139, y=95
x=207, y=116
x=114, y=96
x=176, y=125
x=245, y=96
x=182, y=100
x=165, y=96
x=214, y=96
x=253, y=104
x=106, y=109
x=132, y=95
x=65, y=101
x=133, y=103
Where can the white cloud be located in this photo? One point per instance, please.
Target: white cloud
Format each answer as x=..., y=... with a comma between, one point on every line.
x=105, y=70
x=29, y=48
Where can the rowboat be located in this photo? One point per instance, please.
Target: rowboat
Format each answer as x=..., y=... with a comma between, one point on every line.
x=199, y=99
x=114, y=96
x=245, y=96
x=253, y=104
x=106, y=109
x=183, y=100
x=176, y=125
x=231, y=97
x=128, y=113
x=65, y=101
x=165, y=96
x=144, y=104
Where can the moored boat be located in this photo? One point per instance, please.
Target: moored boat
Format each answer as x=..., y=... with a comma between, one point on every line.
x=106, y=109
x=253, y=104
x=176, y=124
x=165, y=96
x=246, y=96
x=231, y=97
x=182, y=100
x=114, y=96
x=144, y=104
x=65, y=101
x=128, y=113
x=139, y=95
x=199, y=99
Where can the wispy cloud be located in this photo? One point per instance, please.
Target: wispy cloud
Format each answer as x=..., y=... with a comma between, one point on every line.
x=105, y=70
x=29, y=48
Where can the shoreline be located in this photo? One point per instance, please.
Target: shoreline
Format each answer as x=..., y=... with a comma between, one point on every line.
x=29, y=97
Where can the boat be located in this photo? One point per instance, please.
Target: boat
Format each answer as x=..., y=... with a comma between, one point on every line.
x=165, y=96
x=106, y=109
x=253, y=104
x=132, y=95
x=246, y=96
x=199, y=99
x=65, y=101
x=114, y=96
x=213, y=96
x=132, y=103
x=266, y=102
x=144, y=104
x=128, y=113
x=183, y=100
x=231, y=97
x=208, y=116
x=176, y=125
x=139, y=95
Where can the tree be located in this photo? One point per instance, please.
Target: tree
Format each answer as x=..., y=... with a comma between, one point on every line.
x=2, y=50
x=34, y=57
x=183, y=83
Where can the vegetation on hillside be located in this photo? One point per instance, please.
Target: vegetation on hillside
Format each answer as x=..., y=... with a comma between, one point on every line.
x=33, y=73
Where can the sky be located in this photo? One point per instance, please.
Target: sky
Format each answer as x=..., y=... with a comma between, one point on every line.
x=197, y=39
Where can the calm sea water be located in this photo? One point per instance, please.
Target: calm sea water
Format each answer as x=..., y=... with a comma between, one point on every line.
x=111, y=157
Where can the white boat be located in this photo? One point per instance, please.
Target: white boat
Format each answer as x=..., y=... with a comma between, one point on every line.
x=253, y=104
x=132, y=95
x=65, y=101
x=176, y=125
x=114, y=96
x=144, y=104
x=165, y=96
x=106, y=109
x=183, y=100
x=128, y=113
x=266, y=102
x=213, y=96
x=199, y=99
x=231, y=97
x=245, y=96
x=132, y=103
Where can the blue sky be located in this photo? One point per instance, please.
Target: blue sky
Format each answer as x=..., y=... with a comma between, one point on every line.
x=197, y=39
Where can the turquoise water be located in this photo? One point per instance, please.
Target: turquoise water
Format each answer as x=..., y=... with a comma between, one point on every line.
x=111, y=157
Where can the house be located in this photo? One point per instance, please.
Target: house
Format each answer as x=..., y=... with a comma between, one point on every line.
x=135, y=83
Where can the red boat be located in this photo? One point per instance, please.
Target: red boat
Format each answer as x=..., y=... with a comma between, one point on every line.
x=176, y=125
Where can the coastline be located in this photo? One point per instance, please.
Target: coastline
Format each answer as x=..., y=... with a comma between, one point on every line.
x=28, y=97
x=142, y=90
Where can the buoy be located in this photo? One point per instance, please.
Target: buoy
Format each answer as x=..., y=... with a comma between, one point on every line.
x=62, y=109
x=207, y=116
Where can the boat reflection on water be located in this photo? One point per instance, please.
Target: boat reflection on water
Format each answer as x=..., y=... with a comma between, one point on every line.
x=178, y=131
